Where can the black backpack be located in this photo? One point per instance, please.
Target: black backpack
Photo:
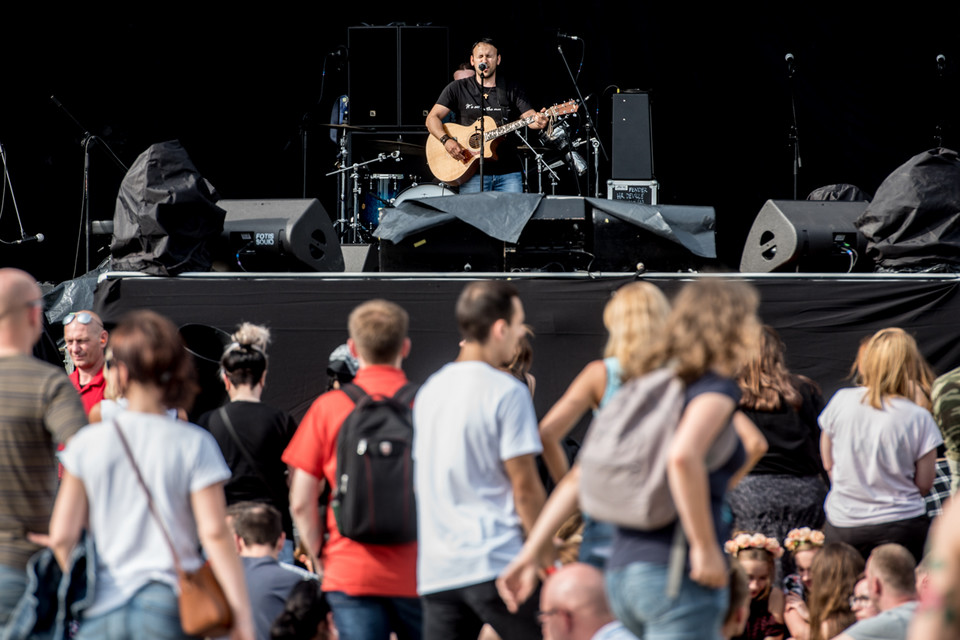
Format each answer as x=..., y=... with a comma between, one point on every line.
x=373, y=498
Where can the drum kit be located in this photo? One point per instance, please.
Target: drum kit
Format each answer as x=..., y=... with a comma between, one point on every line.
x=366, y=195
x=373, y=194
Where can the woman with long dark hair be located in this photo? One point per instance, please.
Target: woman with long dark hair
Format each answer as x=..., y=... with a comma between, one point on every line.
x=183, y=470
x=785, y=489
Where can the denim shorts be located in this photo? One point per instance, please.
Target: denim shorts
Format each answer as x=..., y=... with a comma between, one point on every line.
x=637, y=594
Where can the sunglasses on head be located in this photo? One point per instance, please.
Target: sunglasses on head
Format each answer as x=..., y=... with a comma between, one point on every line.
x=83, y=318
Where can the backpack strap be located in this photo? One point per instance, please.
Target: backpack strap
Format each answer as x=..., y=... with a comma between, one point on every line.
x=404, y=394
x=353, y=392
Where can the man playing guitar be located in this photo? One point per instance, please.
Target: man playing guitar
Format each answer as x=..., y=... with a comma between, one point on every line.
x=500, y=102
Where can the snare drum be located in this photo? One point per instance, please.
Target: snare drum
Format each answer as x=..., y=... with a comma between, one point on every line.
x=381, y=190
x=422, y=191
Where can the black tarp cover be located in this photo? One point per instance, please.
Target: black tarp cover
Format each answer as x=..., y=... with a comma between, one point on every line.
x=687, y=226
x=166, y=216
x=913, y=223
x=504, y=215
x=499, y=215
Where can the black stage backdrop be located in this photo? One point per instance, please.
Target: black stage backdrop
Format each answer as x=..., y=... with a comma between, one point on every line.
x=234, y=84
x=822, y=321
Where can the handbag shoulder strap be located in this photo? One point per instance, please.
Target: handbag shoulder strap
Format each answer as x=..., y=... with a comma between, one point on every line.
x=222, y=412
x=146, y=491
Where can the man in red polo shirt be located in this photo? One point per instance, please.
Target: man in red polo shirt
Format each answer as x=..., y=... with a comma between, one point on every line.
x=86, y=340
x=371, y=588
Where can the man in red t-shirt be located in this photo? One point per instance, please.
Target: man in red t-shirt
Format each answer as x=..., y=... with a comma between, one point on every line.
x=86, y=341
x=371, y=588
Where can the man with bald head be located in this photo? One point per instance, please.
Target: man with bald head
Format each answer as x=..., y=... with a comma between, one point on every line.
x=573, y=606
x=38, y=408
x=86, y=341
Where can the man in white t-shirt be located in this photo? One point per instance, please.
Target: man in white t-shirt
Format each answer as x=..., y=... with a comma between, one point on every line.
x=892, y=586
x=478, y=490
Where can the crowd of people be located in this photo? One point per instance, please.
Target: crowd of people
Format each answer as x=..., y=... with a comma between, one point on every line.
x=397, y=510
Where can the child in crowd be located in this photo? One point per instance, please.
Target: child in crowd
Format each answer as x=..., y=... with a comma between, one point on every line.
x=803, y=544
x=758, y=554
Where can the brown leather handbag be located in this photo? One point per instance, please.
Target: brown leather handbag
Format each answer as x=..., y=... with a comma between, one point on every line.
x=204, y=610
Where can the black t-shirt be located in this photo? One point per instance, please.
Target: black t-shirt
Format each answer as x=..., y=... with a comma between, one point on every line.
x=265, y=433
x=504, y=103
x=793, y=436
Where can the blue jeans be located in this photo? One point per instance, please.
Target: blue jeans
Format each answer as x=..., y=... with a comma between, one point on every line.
x=637, y=594
x=13, y=582
x=151, y=613
x=374, y=617
x=508, y=182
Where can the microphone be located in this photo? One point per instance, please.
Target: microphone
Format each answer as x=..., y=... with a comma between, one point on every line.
x=560, y=34
x=790, y=60
x=941, y=61
x=482, y=67
x=37, y=238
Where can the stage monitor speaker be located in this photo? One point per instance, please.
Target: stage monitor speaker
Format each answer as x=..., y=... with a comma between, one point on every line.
x=632, y=139
x=278, y=235
x=805, y=235
x=395, y=74
x=453, y=246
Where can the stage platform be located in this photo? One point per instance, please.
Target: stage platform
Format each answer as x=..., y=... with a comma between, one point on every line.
x=822, y=318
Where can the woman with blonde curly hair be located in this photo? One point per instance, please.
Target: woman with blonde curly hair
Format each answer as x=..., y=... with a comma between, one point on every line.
x=709, y=335
x=834, y=572
x=879, y=447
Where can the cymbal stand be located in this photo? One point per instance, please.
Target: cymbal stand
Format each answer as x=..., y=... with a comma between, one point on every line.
x=541, y=166
x=351, y=233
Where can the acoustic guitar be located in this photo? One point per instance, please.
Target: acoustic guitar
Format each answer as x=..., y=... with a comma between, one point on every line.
x=450, y=171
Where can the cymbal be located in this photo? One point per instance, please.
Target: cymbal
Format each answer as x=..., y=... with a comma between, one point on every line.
x=391, y=145
x=340, y=126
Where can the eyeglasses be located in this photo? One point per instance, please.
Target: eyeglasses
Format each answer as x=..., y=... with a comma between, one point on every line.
x=83, y=318
x=859, y=601
x=543, y=615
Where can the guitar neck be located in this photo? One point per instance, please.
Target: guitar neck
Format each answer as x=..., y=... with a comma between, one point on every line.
x=507, y=128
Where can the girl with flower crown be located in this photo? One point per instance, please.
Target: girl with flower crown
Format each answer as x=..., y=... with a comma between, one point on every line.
x=803, y=544
x=757, y=555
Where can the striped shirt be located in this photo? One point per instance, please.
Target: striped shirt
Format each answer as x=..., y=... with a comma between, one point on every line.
x=38, y=407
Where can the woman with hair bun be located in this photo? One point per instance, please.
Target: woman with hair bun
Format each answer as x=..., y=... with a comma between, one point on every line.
x=251, y=434
x=184, y=472
x=879, y=447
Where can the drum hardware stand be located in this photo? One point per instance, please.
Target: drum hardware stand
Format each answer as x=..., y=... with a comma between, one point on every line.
x=541, y=166
x=589, y=126
x=351, y=231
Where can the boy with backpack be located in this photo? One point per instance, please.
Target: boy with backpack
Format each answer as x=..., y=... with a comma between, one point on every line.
x=369, y=578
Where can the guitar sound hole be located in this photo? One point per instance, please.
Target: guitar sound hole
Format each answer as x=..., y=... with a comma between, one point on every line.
x=475, y=141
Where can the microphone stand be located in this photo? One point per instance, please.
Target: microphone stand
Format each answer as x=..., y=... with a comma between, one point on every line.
x=483, y=114
x=794, y=135
x=589, y=125
x=941, y=99
x=88, y=141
